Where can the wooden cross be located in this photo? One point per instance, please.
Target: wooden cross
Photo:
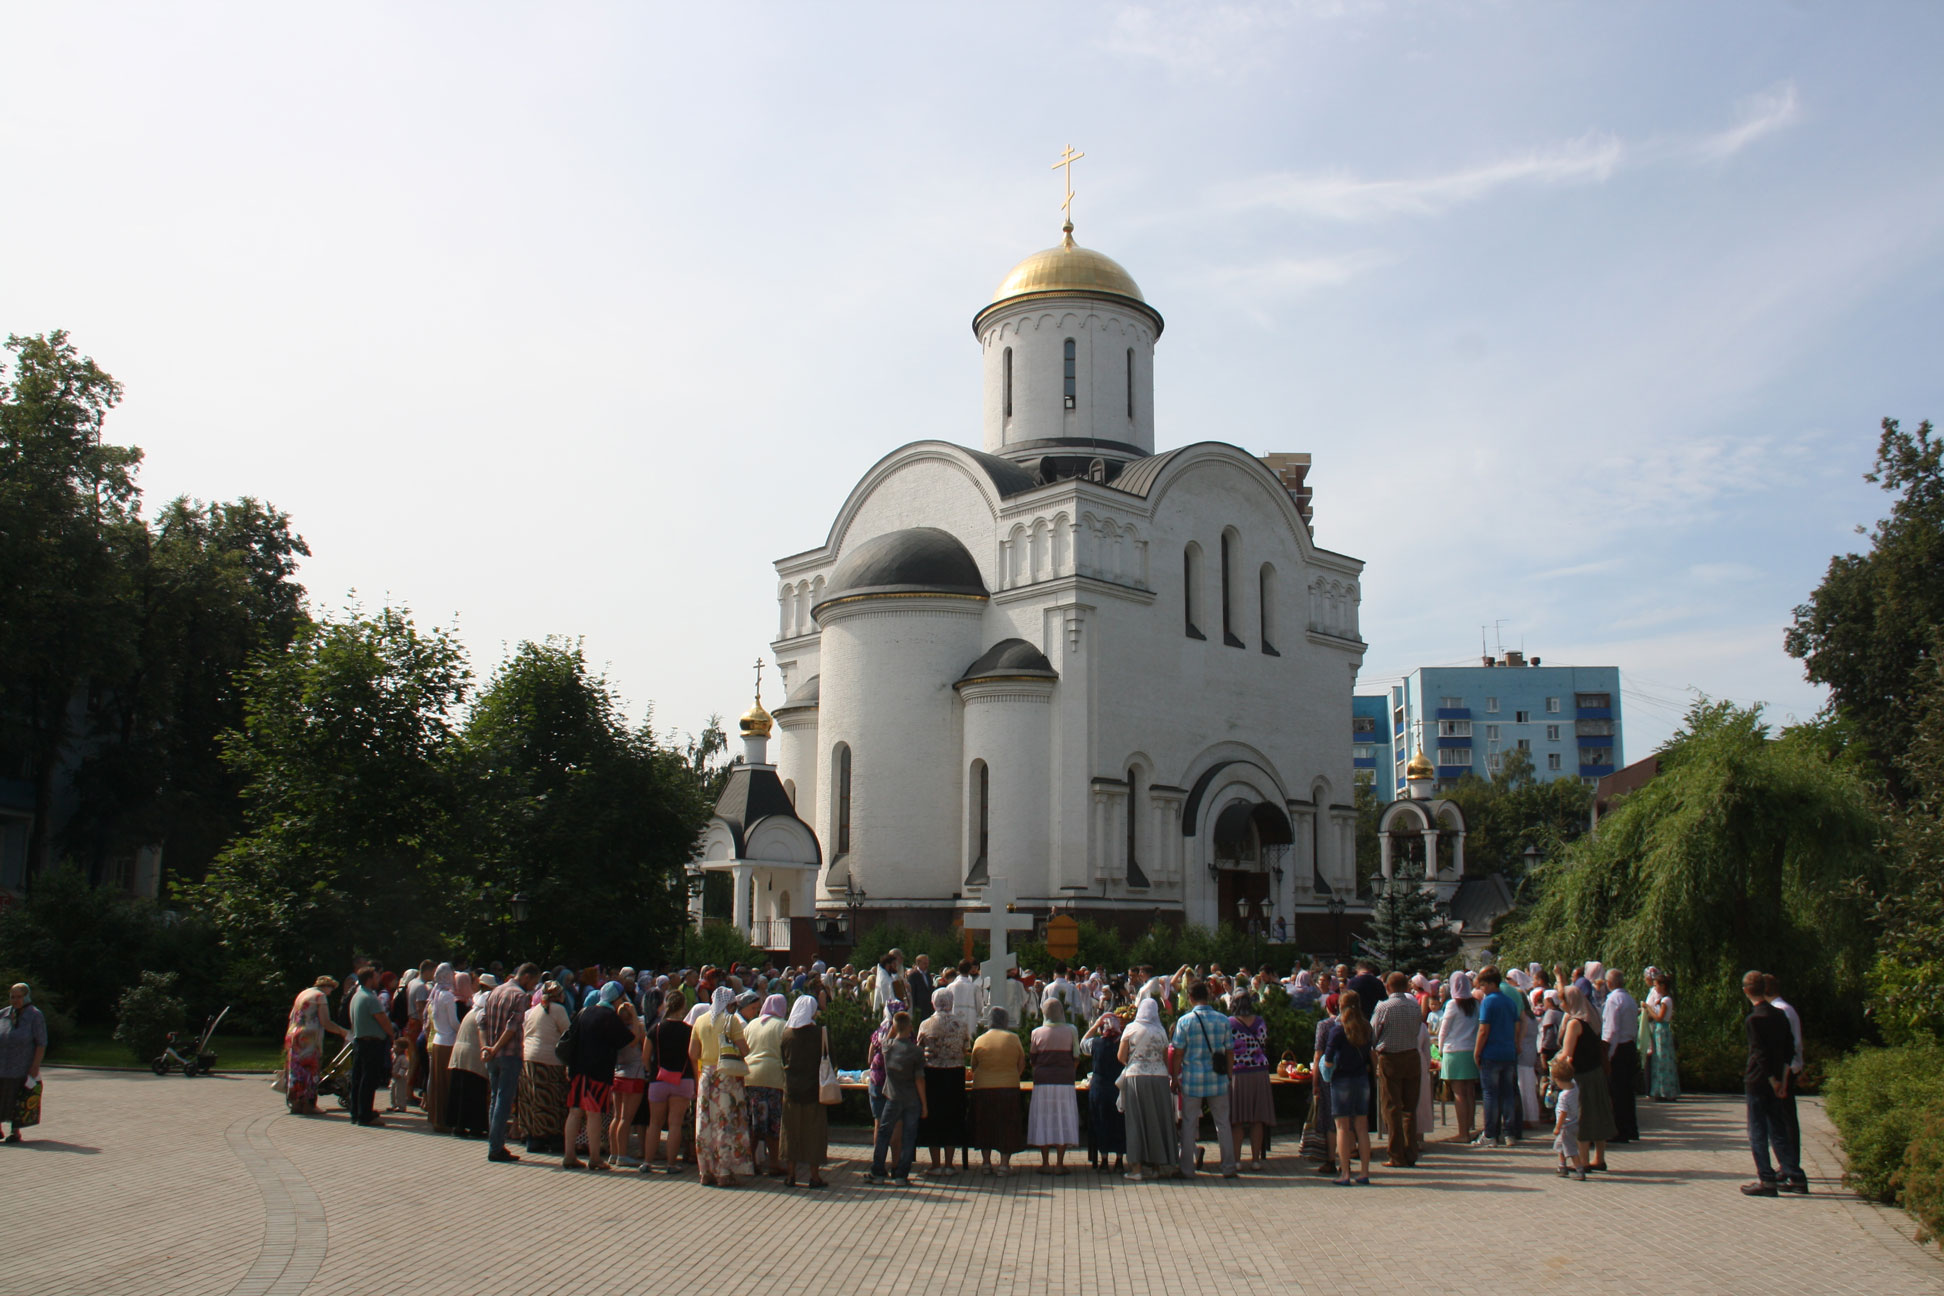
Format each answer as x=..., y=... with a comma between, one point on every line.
x=1067, y=160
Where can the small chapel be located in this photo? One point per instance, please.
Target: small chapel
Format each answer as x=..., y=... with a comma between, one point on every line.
x=1058, y=667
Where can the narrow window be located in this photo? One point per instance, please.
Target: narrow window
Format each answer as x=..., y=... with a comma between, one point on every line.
x=1008, y=380
x=843, y=799
x=1229, y=636
x=985, y=810
x=1135, y=877
x=1130, y=382
x=1191, y=590
x=1071, y=373
x=789, y=790
x=1266, y=594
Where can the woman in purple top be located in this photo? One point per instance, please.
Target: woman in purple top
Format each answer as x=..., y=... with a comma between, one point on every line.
x=1251, y=1104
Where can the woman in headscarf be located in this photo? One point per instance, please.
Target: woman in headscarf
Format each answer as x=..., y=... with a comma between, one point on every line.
x=442, y=1017
x=310, y=1020
x=1053, y=1118
x=1146, y=1101
x=1107, y=1128
x=764, y=1088
x=998, y=1061
x=721, y=1103
x=1582, y=1044
x=467, y=1091
x=1322, y=1121
x=673, y=1087
x=1663, y=1069
x=945, y=1041
x=1457, y=1036
x=1252, y=1106
x=1305, y=994
x=542, y=1097
x=806, y=1129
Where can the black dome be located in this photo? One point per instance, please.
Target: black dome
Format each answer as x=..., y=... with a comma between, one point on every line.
x=1010, y=657
x=919, y=560
x=806, y=695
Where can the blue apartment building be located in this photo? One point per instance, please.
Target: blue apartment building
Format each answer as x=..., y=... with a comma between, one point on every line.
x=1370, y=739
x=1466, y=718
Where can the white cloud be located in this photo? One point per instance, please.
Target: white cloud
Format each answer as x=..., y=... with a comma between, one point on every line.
x=1216, y=41
x=1587, y=160
x=1761, y=115
x=1288, y=276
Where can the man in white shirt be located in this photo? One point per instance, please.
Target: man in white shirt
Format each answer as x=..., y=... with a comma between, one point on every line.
x=1620, y=1028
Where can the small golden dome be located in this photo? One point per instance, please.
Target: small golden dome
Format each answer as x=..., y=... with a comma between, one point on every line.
x=1420, y=767
x=1068, y=268
x=756, y=722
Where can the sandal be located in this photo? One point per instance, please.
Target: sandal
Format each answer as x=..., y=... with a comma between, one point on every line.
x=1363, y=1181
x=571, y=1164
x=1339, y=1183
x=708, y=1181
x=818, y=1183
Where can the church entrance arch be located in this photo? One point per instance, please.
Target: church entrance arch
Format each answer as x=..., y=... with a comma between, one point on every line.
x=1251, y=839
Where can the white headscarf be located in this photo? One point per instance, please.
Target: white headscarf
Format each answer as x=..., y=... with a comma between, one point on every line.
x=1461, y=984
x=696, y=1014
x=722, y=1002
x=1149, y=1015
x=1596, y=973
x=803, y=1012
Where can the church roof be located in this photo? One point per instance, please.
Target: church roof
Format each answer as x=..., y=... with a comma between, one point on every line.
x=1138, y=478
x=752, y=794
x=1068, y=270
x=805, y=696
x=1010, y=658
x=916, y=560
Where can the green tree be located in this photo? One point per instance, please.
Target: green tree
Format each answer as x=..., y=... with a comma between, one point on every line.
x=1868, y=631
x=351, y=801
x=1514, y=811
x=1907, y=983
x=69, y=522
x=1406, y=934
x=1747, y=851
x=590, y=819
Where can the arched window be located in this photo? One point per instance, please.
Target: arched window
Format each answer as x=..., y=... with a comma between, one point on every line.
x=1191, y=590
x=1130, y=382
x=1229, y=558
x=1266, y=596
x=1135, y=877
x=1007, y=365
x=789, y=790
x=843, y=816
x=1072, y=373
x=982, y=811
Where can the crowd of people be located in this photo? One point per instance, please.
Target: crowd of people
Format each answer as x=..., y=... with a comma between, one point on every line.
x=730, y=1070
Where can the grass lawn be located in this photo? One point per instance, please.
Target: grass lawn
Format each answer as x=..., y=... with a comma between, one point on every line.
x=97, y=1046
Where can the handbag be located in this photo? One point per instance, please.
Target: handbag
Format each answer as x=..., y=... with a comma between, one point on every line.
x=27, y=1111
x=1218, y=1059
x=829, y=1091
x=564, y=1046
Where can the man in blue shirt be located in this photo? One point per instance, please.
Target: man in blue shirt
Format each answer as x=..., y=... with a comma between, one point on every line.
x=371, y=1033
x=1497, y=1052
x=1201, y=1037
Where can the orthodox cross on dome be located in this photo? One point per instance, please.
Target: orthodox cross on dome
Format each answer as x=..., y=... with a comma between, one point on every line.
x=1067, y=160
x=998, y=919
x=759, y=681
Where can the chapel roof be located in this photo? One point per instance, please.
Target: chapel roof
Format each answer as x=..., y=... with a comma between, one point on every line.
x=1068, y=270
x=1010, y=659
x=914, y=561
x=751, y=794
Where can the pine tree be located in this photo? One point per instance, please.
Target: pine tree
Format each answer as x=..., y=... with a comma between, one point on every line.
x=1406, y=934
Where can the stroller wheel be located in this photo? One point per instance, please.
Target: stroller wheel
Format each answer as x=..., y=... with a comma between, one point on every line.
x=160, y=1066
x=189, y=1069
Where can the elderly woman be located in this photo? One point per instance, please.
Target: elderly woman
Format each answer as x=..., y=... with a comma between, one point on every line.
x=1146, y=1099
x=764, y=1088
x=442, y=1020
x=466, y=1087
x=945, y=1041
x=1106, y=1127
x=806, y=1129
x=310, y=1020
x=998, y=1062
x=1053, y=1119
x=23, y=1043
x=1252, y=1105
x=717, y=1046
x=542, y=1100
x=1663, y=1069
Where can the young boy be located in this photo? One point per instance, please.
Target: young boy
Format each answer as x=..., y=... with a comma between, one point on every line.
x=1566, y=1124
x=401, y=1072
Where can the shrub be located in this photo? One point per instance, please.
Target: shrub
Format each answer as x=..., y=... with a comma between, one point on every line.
x=1921, y=1181
x=850, y=1024
x=147, y=1013
x=1877, y=1100
x=721, y=944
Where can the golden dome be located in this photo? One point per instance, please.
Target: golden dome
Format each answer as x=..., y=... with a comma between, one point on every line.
x=1069, y=268
x=1420, y=767
x=756, y=722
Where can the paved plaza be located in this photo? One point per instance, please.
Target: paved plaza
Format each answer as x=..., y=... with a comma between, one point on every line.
x=156, y=1186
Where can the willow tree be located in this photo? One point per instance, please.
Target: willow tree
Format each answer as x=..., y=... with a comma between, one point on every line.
x=1746, y=851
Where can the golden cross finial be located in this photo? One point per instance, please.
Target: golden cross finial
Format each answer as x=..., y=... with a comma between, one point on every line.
x=759, y=681
x=1067, y=160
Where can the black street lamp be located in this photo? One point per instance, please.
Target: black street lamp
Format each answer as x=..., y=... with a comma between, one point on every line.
x=854, y=897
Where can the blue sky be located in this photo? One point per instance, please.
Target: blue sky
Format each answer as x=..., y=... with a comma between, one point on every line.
x=570, y=319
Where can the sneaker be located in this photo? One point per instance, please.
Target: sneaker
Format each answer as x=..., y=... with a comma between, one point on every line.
x=1798, y=1186
x=874, y=1178
x=901, y=1182
x=1759, y=1189
x=1579, y=1175
x=1499, y=1142
x=1565, y=1172
x=502, y=1156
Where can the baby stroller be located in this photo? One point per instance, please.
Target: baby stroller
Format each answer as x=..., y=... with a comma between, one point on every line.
x=336, y=1078
x=200, y=1061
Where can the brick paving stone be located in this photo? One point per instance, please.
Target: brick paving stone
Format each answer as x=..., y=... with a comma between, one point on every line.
x=140, y=1184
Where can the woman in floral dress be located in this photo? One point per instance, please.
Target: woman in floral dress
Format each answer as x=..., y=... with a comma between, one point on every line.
x=310, y=1018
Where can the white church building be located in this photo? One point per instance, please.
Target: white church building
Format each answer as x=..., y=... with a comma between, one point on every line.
x=1109, y=680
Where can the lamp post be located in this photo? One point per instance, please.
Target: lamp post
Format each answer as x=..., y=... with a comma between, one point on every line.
x=854, y=903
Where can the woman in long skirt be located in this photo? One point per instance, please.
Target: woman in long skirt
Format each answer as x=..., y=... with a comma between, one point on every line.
x=1252, y=1104
x=1053, y=1120
x=945, y=1042
x=310, y=1019
x=721, y=1105
x=542, y=1096
x=1146, y=1099
x=998, y=1061
x=1104, y=1120
x=1663, y=1067
x=466, y=1089
x=1587, y=1054
x=806, y=1126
